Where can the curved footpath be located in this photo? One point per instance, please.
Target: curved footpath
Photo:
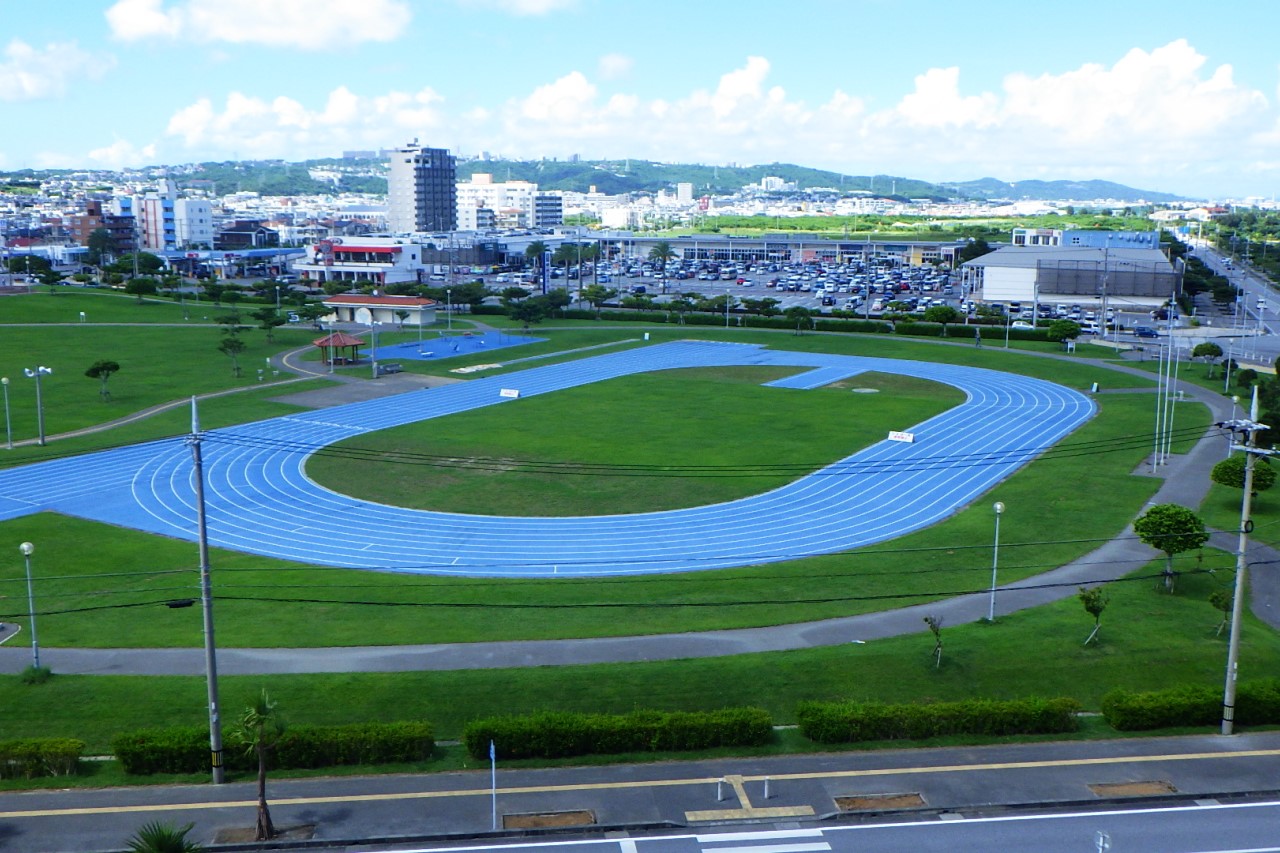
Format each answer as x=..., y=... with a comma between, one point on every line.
x=1186, y=482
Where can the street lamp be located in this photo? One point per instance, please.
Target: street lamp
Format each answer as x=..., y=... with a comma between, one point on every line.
x=277, y=298
x=36, y=374
x=995, y=562
x=373, y=355
x=27, y=550
x=8, y=426
x=448, y=309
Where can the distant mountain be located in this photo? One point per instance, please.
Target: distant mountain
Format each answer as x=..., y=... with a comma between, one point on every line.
x=624, y=176
x=990, y=188
x=613, y=177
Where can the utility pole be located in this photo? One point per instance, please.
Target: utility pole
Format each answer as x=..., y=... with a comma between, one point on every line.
x=206, y=601
x=1250, y=427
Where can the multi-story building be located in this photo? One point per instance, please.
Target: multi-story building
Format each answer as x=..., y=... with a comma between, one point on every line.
x=193, y=222
x=421, y=190
x=548, y=210
x=379, y=260
x=513, y=202
x=119, y=228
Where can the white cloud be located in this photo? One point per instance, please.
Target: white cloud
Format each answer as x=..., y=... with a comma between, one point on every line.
x=303, y=24
x=614, y=65
x=284, y=127
x=28, y=73
x=1148, y=119
x=523, y=8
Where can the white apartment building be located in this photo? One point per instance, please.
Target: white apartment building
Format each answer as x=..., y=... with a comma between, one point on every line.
x=421, y=190
x=513, y=203
x=193, y=222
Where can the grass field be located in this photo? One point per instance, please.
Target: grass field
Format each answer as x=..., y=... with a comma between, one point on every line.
x=102, y=586
x=707, y=417
x=1149, y=640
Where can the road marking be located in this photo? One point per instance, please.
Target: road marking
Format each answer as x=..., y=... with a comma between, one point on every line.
x=654, y=783
x=749, y=811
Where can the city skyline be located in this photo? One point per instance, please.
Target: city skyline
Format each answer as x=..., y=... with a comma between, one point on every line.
x=1162, y=99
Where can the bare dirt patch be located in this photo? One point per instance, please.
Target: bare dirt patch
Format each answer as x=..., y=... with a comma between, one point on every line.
x=1133, y=789
x=548, y=819
x=243, y=834
x=879, y=802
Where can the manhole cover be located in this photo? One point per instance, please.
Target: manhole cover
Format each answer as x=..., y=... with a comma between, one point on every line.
x=879, y=802
x=1133, y=789
x=545, y=819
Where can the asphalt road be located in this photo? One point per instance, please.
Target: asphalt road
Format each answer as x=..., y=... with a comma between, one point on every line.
x=1051, y=797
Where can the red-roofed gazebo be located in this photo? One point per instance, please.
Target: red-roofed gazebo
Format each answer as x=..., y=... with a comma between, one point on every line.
x=330, y=345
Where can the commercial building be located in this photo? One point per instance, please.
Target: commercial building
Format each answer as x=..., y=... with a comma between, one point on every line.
x=422, y=190
x=379, y=260
x=1075, y=275
x=387, y=310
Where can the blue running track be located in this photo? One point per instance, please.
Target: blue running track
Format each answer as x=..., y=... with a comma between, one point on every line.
x=260, y=500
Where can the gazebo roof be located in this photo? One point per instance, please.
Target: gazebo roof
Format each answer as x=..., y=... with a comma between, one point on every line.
x=338, y=339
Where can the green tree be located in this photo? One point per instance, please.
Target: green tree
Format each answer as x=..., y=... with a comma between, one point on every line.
x=231, y=346
x=558, y=300
x=943, y=314
x=976, y=248
x=799, y=315
x=1095, y=601
x=513, y=294
x=142, y=286
x=1210, y=352
x=529, y=311
x=214, y=291
x=660, y=254
x=1230, y=473
x=1221, y=600
x=50, y=278
x=681, y=305
x=261, y=728
x=100, y=246
x=1172, y=529
x=269, y=320
x=157, y=837
x=1063, y=330
x=534, y=252
x=597, y=294
x=102, y=370
x=935, y=628
x=401, y=315
x=147, y=264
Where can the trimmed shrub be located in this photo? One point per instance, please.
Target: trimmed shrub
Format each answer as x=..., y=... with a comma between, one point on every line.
x=32, y=757
x=556, y=735
x=1257, y=703
x=186, y=750
x=851, y=722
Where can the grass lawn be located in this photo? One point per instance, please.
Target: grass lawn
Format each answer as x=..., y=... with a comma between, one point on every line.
x=101, y=586
x=493, y=462
x=1149, y=640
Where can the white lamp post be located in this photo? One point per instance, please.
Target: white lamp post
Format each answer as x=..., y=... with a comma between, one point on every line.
x=36, y=374
x=448, y=309
x=27, y=550
x=995, y=563
x=8, y=427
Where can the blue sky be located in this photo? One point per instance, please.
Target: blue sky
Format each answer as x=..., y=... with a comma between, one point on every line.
x=1172, y=96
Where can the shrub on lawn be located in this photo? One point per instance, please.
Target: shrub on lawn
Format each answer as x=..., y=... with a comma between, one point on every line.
x=1257, y=703
x=555, y=735
x=850, y=722
x=186, y=750
x=32, y=757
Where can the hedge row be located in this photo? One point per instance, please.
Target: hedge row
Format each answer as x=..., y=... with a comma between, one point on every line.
x=186, y=750
x=849, y=722
x=1257, y=703
x=556, y=735
x=32, y=757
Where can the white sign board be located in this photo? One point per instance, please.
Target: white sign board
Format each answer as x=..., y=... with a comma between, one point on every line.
x=908, y=437
x=509, y=392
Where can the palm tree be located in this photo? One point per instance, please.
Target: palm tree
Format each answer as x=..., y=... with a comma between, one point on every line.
x=156, y=837
x=535, y=251
x=660, y=254
x=260, y=730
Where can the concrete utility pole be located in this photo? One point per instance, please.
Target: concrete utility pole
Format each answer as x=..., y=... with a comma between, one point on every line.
x=1250, y=427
